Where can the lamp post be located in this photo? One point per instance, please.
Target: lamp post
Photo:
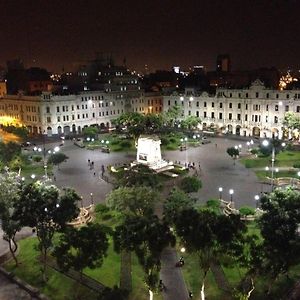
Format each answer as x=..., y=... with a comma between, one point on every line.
x=231, y=192
x=220, y=192
x=266, y=143
x=256, y=198
x=45, y=152
x=267, y=170
x=92, y=199
x=185, y=145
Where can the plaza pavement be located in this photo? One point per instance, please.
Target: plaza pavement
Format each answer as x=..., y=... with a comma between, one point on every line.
x=217, y=169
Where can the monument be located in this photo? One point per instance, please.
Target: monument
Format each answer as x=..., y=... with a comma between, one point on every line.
x=149, y=154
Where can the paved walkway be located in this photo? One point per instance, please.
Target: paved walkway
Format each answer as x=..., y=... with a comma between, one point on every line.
x=11, y=291
x=172, y=277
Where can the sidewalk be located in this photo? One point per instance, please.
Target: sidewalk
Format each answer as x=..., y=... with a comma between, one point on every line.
x=172, y=277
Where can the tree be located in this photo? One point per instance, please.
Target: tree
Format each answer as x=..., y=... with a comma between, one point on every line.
x=190, y=184
x=177, y=201
x=41, y=206
x=171, y=116
x=147, y=237
x=133, y=121
x=291, y=121
x=279, y=228
x=82, y=248
x=138, y=201
x=208, y=235
x=233, y=152
x=9, y=151
x=139, y=175
x=10, y=190
x=57, y=158
x=190, y=122
x=90, y=131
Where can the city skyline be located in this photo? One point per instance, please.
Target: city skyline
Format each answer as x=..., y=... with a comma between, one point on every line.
x=58, y=35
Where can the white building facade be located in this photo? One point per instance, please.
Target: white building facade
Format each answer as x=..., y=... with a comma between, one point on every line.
x=256, y=111
x=63, y=115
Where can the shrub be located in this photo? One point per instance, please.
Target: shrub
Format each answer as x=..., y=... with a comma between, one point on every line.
x=213, y=203
x=254, y=151
x=125, y=144
x=190, y=184
x=246, y=211
x=37, y=158
x=164, y=141
x=296, y=165
x=173, y=140
x=101, y=208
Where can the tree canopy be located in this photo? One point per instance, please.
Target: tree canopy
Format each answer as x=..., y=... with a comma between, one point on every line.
x=137, y=201
x=279, y=227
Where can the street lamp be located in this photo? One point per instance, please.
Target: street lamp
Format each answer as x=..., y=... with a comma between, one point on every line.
x=231, y=192
x=256, y=198
x=276, y=170
x=220, y=192
x=185, y=143
x=267, y=170
x=92, y=200
x=266, y=143
x=32, y=176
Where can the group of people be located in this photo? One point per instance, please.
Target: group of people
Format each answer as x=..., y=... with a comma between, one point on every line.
x=92, y=165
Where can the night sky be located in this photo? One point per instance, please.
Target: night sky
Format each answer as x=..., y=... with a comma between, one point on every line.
x=53, y=34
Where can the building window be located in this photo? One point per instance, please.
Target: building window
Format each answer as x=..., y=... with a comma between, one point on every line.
x=63, y=108
x=267, y=95
x=287, y=96
x=275, y=119
x=197, y=103
x=213, y=104
x=230, y=105
x=267, y=107
x=57, y=109
x=58, y=119
x=169, y=102
x=276, y=107
x=48, y=110
x=246, y=118
x=189, y=112
x=212, y=115
x=230, y=95
x=256, y=95
x=205, y=104
x=78, y=116
x=239, y=95
x=220, y=116
x=277, y=96
x=246, y=95
x=230, y=116
x=266, y=119
x=239, y=105
x=286, y=108
x=298, y=109
x=204, y=114
x=197, y=113
x=48, y=119
x=246, y=106
x=239, y=117
x=221, y=105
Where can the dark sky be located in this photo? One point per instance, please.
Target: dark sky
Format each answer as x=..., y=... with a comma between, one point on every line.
x=160, y=33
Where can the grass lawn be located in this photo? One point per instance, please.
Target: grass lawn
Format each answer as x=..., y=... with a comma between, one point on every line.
x=58, y=287
x=283, y=159
x=61, y=287
x=192, y=275
x=262, y=174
